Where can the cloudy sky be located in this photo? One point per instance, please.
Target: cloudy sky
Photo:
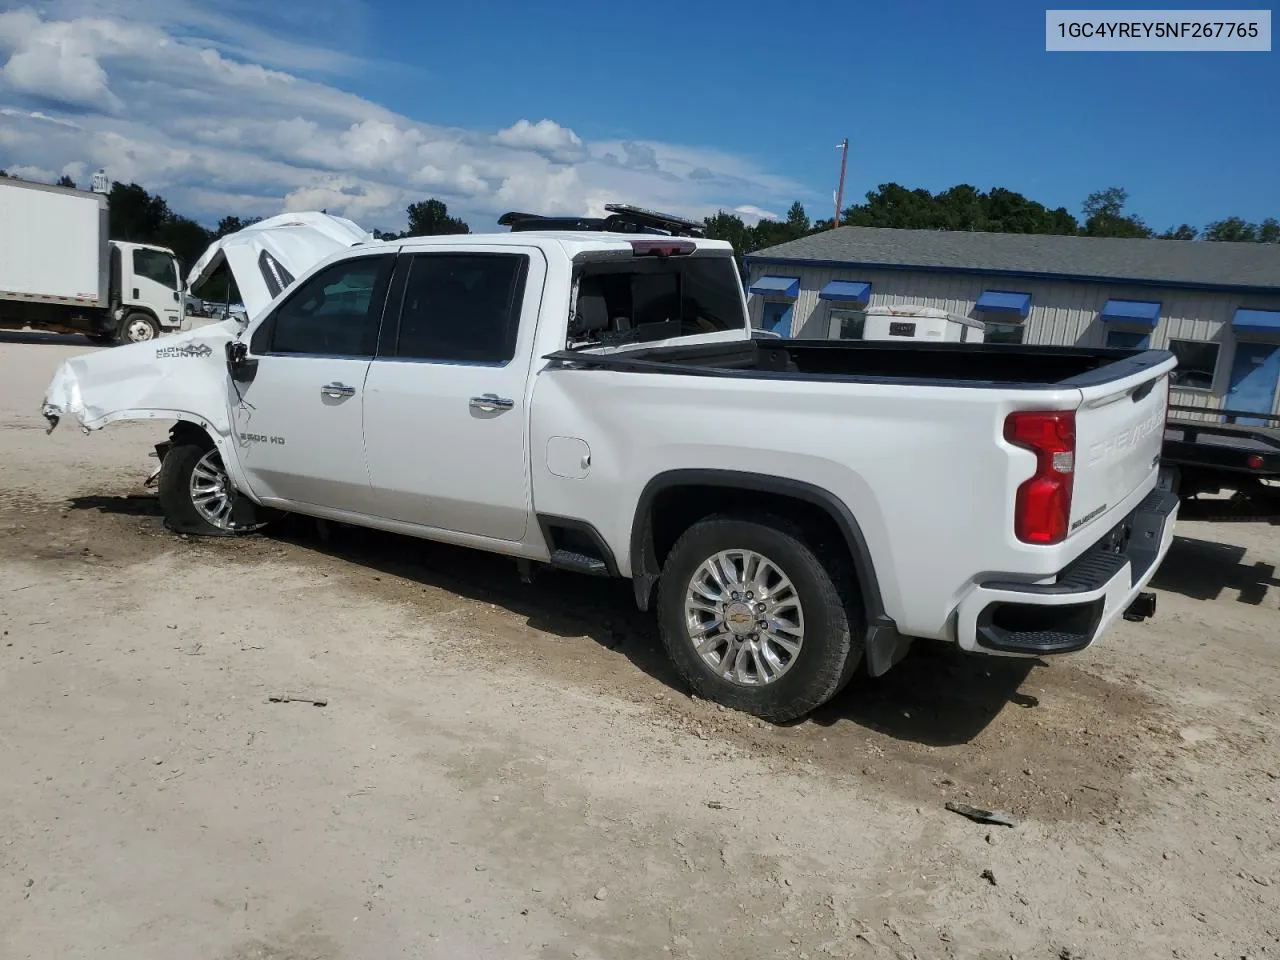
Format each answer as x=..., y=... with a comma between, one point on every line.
x=361, y=106
x=228, y=112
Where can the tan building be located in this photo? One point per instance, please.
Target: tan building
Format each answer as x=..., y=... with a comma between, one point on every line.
x=1215, y=305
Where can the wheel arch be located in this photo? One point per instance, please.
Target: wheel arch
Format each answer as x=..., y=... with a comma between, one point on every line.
x=672, y=501
x=128, y=309
x=191, y=427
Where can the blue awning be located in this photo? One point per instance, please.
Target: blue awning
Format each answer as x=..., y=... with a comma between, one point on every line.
x=846, y=291
x=1256, y=321
x=1144, y=312
x=786, y=288
x=1004, y=301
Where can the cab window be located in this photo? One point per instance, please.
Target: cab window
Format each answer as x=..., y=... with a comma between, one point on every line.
x=335, y=313
x=157, y=266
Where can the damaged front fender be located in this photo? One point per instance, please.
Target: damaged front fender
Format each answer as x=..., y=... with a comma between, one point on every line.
x=178, y=377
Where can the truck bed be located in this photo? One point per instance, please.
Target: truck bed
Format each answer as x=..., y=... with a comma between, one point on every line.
x=935, y=364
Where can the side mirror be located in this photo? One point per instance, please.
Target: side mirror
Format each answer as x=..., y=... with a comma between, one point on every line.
x=240, y=365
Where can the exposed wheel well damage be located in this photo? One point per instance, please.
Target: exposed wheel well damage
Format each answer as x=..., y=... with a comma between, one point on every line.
x=185, y=431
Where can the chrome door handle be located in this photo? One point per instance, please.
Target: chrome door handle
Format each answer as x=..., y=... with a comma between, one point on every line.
x=336, y=390
x=491, y=402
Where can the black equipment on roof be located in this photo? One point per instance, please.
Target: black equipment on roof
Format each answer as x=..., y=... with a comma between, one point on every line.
x=623, y=218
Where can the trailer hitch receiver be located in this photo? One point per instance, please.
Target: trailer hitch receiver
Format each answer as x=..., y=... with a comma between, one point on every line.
x=1143, y=606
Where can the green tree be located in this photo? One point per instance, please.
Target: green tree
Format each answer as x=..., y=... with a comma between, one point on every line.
x=961, y=207
x=429, y=218
x=233, y=224
x=66, y=181
x=186, y=238
x=730, y=227
x=1104, y=215
x=135, y=214
x=1239, y=230
x=141, y=217
x=1183, y=232
x=797, y=219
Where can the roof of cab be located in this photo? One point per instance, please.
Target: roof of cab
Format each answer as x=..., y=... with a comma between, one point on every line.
x=571, y=241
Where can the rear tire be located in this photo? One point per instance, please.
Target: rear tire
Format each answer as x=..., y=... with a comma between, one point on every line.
x=783, y=666
x=197, y=497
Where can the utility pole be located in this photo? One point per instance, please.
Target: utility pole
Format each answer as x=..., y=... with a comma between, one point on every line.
x=843, y=147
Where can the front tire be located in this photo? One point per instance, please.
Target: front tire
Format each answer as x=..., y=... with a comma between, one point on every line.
x=753, y=619
x=138, y=328
x=197, y=496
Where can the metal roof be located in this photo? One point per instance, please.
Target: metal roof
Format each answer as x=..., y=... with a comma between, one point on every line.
x=1181, y=263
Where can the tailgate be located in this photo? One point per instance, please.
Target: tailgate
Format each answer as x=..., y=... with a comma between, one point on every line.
x=1119, y=433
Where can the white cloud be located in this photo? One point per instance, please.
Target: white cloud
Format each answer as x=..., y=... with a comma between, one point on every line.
x=37, y=115
x=219, y=118
x=28, y=172
x=753, y=215
x=546, y=137
x=55, y=62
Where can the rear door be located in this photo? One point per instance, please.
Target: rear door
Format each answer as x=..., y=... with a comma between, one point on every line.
x=1119, y=432
x=298, y=425
x=445, y=418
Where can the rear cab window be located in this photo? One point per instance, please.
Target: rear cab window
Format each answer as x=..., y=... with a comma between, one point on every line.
x=621, y=300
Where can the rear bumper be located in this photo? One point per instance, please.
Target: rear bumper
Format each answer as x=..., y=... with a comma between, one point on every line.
x=1011, y=618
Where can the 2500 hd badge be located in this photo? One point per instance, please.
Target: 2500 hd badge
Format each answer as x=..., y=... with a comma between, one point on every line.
x=259, y=438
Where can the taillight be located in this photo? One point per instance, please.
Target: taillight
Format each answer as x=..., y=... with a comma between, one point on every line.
x=1043, y=505
x=662, y=248
x=1255, y=462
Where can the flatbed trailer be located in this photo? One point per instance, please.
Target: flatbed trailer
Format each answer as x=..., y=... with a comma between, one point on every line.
x=1208, y=456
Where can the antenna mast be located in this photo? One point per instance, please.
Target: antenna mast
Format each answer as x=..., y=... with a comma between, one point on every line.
x=843, y=147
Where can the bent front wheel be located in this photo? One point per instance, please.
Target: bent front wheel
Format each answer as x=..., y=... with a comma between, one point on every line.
x=197, y=495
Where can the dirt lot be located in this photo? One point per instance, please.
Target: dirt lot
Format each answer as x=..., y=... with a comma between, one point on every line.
x=510, y=771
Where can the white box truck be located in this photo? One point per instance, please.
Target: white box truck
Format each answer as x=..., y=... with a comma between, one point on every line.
x=59, y=272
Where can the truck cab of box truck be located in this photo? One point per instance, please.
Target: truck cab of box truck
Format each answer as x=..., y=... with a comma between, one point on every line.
x=146, y=292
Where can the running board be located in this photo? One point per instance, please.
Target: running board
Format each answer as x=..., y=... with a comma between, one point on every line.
x=579, y=563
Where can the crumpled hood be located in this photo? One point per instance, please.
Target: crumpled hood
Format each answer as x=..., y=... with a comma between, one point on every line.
x=186, y=373
x=266, y=257
x=182, y=373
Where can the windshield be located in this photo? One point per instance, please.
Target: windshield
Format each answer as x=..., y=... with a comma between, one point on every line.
x=637, y=300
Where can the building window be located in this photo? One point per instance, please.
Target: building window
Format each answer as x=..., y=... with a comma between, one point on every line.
x=1197, y=361
x=1002, y=332
x=1128, y=339
x=847, y=324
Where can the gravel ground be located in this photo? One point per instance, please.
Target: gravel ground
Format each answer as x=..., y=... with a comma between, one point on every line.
x=505, y=770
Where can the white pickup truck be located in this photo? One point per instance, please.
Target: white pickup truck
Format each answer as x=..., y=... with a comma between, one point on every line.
x=589, y=396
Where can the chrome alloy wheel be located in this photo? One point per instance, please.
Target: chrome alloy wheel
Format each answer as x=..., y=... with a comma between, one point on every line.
x=744, y=618
x=211, y=492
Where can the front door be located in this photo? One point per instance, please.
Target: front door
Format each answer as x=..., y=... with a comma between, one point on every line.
x=298, y=424
x=155, y=284
x=777, y=317
x=445, y=417
x=1255, y=373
